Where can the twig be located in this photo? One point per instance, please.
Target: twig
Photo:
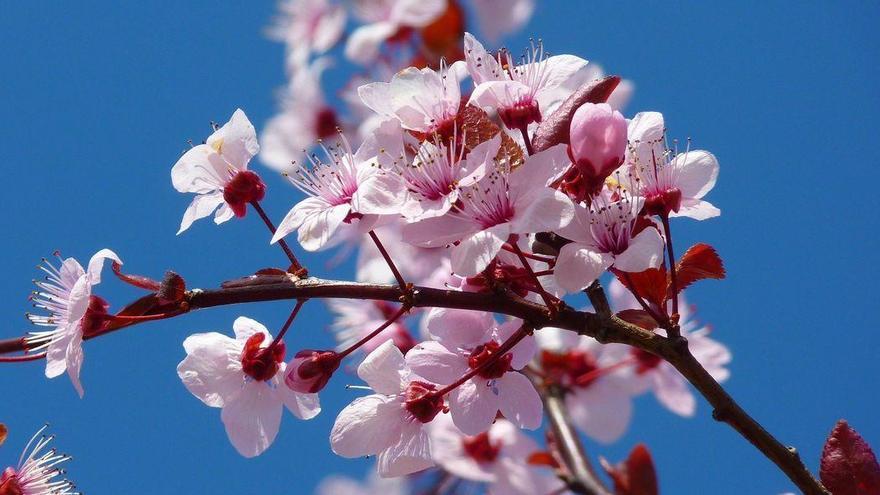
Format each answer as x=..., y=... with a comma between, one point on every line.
x=298, y=269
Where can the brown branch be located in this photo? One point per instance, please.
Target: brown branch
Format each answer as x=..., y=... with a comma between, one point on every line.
x=606, y=328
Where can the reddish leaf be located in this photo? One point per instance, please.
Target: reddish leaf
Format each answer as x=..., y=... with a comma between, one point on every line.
x=638, y=317
x=173, y=288
x=554, y=129
x=699, y=262
x=3, y=432
x=446, y=31
x=135, y=280
x=651, y=284
x=542, y=458
x=477, y=127
x=848, y=466
x=634, y=476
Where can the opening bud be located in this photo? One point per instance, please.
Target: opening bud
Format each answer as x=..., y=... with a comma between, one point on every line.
x=310, y=370
x=598, y=142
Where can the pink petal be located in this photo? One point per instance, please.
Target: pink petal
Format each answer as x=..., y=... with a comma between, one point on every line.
x=475, y=252
x=697, y=173
x=645, y=251
x=458, y=327
x=411, y=453
x=382, y=369
x=211, y=370
x=672, y=391
x=520, y=402
x=602, y=410
x=696, y=209
x=579, y=265
x=367, y=426
x=437, y=232
x=252, y=419
x=436, y=363
x=473, y=406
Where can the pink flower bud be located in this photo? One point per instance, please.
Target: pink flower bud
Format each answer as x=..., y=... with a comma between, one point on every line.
x=310, y=370
x=598, y=141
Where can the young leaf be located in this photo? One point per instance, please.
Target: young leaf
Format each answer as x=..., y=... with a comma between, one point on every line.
x=476, y=126
x=634, y=476
x=651, y=284
x=699, y=262
x=3, y=432
x=173, y=288
x=554, y=129
x=638, y=317
x=542, y=458
x=848, y=466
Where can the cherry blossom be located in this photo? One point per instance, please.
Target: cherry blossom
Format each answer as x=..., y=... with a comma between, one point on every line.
x=66, y=294
x=37, y=473
x=391, y=422
x=336, y=190
x=600, y=380
x=385, y=18
x=498, y=456
x=465, y=340
x=423, y=100
x=518, y=91
x=598, y=142
x=243, y=375
x=305, y=117
x=672, y=183
x=306, y=27
x=355, y=319
x=667, y=384
x=603, y=235
x=217, y=173
x=499, y=17
x=504, y=203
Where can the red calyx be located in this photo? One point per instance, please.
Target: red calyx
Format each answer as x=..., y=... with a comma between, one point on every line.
x=645, y=361
x=326, y=123
x=520, y=116
x=421, y=402
x=96, y=316
x=483, y=353
x=245, y=187
x=261, y=363
x=480, y=448
x=663, y=203
x=313, y=372
x=9, y=483
x=573, y=367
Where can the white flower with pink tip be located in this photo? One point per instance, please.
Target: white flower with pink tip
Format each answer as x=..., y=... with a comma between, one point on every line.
x=391, y=422
x=66, y=294
x=603, y=235
x=504, y=203
x=217, y=173
x=498, y=456
x=243, y=376
x=467, y=341
x=672, y=183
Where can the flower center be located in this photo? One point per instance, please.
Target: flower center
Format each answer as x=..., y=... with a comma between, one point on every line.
x=421, y=402
x=326, y=124
x=645, y=361
x=521, y=115
x=245, y=187
x=96, y=315
x=574, y=367
x=261, y=363
x=9, y=484
x=662, y=202
x=482, y=354
x=480, y=448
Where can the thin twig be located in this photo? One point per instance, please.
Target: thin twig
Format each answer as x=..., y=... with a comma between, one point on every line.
x=298, y=269
x=397, y=276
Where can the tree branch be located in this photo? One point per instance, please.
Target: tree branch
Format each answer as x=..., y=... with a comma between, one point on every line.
x=605, y=328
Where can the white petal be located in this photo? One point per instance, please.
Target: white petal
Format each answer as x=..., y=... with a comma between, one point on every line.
x=436, y=363
x=697, y=209
x=499, y=17
x=498, y=94
x=56, y=353
x=295, y=218
x=96, y=264
x=697, y=173
x=541, y=209
x=645, y=127
x=303, y=406
x=672, y=391
x=645, y=251
x=74, y=359
x=200, y=170
x=438, y=231
x=367, y=426
x=416, y=13
x=252, y=419
x=475, y=252
x=481, y=65
x=363, y=44
x=578, y=266
x=383, y=369
x=473, y=406
x=541, y=168
x=602, y=410
x=211, y=371
x=381, y=193
x=520, y=402
x=236, y=141
x=458, y=327
x=223, y=214
x=412, y=453
x=200, y=207
x=245, y=327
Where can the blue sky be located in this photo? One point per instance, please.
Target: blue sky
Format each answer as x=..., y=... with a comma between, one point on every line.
x=99, y=98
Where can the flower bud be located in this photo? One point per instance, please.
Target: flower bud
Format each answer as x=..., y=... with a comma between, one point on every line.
x=310, y=370
x=245, y=187
x=598, y=141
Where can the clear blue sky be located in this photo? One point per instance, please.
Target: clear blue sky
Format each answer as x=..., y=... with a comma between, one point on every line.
x=98, y=99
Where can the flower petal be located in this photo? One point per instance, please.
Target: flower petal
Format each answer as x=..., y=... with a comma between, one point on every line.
x=201, y=206
x=412, y=453
x=578, y=266
x=696, y=209
x=697, y=173
x=458, y=327
x=437, y=231
x=476, y=251
x=96, y=264
x=367, y=426
x=236, y=141
x=211, y=370
x=473, y=406
x=602, y=410
x=520, y=402
x=645, y=251
x=383, y=369
x=252, y=418
x=436, y=363
x=672, y=391
x=245, y=327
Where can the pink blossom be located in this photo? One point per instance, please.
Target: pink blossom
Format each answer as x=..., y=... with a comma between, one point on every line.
x=654, y=374
x=243, y=376
x=519, y=92
x=354, y=319
x=305, y=117
x=498, y=456
x=598, y=141
x=391, y=422
x=464, y=341
x=600, y=379
x=385, y=18
x=496, y=18
x=339, y=193
x=217, y=173
x=66, y=294
x=423, y=100
x=504, y=203
x=671, y=183
x=603, y=235
x=37, y=473
x=306, y=27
